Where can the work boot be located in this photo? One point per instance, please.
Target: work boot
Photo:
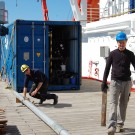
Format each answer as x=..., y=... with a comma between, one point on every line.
x=111, y=130
x=120, y=128
x=41, y=101
x=55, y=100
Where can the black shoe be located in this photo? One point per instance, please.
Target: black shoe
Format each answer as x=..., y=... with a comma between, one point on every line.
x=41, y=101
x=55, y=100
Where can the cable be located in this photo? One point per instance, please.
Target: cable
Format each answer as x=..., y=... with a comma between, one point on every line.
x=16, y=3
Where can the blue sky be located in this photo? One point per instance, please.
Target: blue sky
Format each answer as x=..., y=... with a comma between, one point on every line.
x=32, y=10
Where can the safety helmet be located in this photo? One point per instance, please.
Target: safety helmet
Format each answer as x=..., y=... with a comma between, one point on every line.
x=24, y=67
x=121, y=36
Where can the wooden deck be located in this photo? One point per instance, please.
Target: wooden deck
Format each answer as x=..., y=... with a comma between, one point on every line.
x=77, y=111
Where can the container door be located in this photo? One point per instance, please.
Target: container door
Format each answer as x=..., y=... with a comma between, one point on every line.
x=31, y=48
x=38, y=47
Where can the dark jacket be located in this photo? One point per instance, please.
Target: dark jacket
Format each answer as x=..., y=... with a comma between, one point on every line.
x=120, y=62
x=36, y=77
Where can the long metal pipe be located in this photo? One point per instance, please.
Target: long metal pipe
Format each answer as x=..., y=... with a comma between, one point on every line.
x=56, y=127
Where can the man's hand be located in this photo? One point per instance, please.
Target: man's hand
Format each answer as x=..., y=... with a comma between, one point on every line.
x=104, y=87
x=34, y=93
x=36, y=90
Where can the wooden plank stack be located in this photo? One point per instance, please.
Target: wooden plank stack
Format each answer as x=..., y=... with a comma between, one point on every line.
x=3, y=122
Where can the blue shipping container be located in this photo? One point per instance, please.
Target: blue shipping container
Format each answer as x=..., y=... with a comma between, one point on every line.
x=3, y=56
x=132, y=5
x=54, y=47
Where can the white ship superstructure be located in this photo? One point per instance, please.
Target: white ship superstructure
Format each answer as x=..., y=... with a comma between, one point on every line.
x=98, y=37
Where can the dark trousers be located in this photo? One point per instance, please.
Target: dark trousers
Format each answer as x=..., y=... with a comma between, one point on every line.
x=42, y=92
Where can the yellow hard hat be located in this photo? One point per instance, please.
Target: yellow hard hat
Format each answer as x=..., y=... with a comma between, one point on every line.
x=24, y=67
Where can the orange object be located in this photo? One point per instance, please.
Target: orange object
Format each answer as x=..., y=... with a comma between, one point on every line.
x=92, y=10
x=17, y=100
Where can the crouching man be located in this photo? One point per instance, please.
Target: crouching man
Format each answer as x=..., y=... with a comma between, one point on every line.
x=40, y=85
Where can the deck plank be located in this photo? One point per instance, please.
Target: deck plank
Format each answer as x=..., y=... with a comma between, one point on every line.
x=78, y=111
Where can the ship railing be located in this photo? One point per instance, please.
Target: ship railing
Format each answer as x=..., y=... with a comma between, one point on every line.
x=96, y=14
x=93, y=14
x=118, y=14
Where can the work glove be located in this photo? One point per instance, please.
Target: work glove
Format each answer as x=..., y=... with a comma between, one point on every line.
x=104, y=87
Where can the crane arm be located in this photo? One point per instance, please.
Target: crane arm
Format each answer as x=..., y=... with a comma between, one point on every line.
x=79, y=3
x=45, y=10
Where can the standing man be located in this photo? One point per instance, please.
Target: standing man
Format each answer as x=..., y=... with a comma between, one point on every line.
x=120, y=85
x=40, y=85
